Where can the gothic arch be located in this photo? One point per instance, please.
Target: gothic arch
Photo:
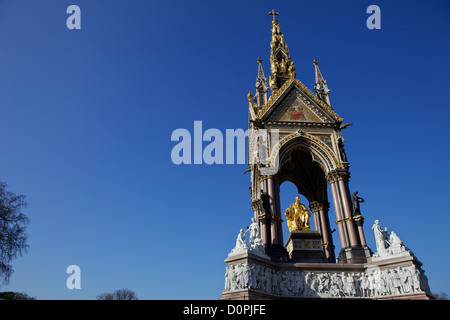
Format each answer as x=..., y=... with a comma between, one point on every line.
x=321, y=153
x=305, y=173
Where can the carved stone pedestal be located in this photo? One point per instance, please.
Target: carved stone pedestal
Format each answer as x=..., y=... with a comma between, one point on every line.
x=354, y=255
x=254, y=277
x=305, y=246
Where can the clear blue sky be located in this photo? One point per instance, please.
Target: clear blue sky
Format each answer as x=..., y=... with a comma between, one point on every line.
x=86, y=118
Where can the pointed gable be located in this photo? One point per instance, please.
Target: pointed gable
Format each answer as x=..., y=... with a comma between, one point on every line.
x=296, y=110
x=296, y=103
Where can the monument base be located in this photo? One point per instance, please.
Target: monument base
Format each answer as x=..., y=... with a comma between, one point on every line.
x=277, y=253
x=247, y=294
x=306, y=246
x=354, y=255
x=253, y=277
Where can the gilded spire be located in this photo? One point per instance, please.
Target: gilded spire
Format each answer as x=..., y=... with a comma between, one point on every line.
x=321, y=87
x=281, y=66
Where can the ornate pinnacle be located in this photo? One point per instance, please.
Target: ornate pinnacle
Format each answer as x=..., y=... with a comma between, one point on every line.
x=281, y=66
x=321, y=86
x=261, y=85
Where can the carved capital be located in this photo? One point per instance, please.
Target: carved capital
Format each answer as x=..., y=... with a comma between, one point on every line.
x=337, y=175
x=316, y=206
x=266, y=177
x=256, y=205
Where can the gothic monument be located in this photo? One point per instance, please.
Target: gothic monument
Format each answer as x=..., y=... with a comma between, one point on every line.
x=295, y=135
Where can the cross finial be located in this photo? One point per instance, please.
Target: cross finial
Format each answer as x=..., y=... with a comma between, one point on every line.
x=315, y=62
x=273, y=13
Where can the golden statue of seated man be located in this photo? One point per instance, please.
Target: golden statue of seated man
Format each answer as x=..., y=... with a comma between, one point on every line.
x=297, y=216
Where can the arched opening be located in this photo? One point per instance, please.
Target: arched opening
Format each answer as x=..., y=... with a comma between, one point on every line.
x=300, y=174
x=288, y=192
x=306, y=174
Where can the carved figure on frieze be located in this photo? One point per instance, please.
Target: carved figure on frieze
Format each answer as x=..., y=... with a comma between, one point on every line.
x=228, y=277
x=405, y=277
x=245, y=273
x=268, y=279
x=364, y=285
x=391, y=281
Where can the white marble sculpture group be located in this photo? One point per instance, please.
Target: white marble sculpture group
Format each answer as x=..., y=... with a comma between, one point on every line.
x=387, y=245
x=373, y=282
x=255, y=241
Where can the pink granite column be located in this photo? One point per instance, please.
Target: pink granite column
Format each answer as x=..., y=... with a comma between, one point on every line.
x=361, y=235
x=359, y=221
x=324, y=228
x=327, y=239
x=337, y=209
x=264, y=221
x=348, y=214
x=273, y=210
x=314, y=206
x=278, y=212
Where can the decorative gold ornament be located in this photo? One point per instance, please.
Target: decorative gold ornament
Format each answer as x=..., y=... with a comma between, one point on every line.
x=273, y=13
x=281, y=66
x=297, y=216
x=249, y=97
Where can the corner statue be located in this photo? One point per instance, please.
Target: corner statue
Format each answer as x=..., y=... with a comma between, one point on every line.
x=355, y=201
x=297, y=216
